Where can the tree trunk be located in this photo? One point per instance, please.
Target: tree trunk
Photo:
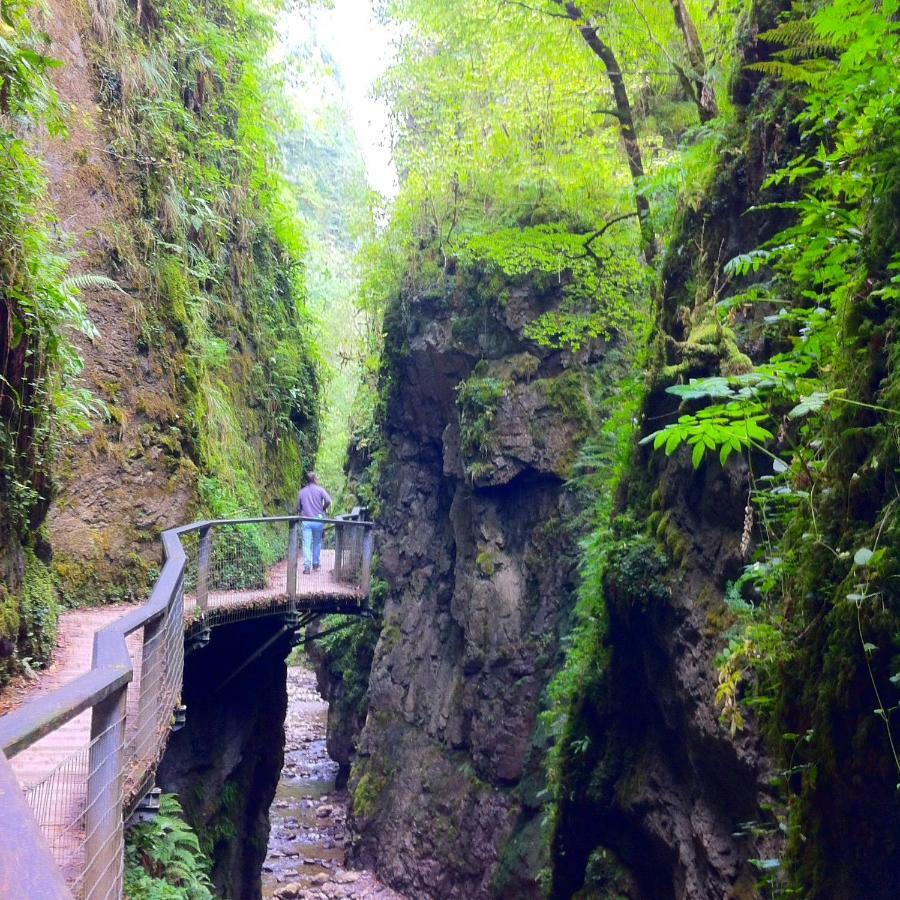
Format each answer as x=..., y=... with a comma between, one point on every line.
x=625, y=118
x=698, y=78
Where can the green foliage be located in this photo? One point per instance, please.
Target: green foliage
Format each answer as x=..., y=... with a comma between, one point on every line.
x=367, y=793
x=39, y=612
x=478, y=398
x=511, y=155
x=727, y=428
x=755, y=643
x=348, y=652
x=323, y=159
x=163, y=859
x=28, y=93
x=39, y=399
x=29, y=614
x=601, y=282
x=811, y=654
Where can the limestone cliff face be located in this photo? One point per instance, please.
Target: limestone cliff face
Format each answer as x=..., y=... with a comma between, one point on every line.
x=480, y=569
x=478, y=545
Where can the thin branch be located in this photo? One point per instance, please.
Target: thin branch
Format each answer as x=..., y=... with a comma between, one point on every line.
x=589, y=251
x=614, y=221
x=543, y=12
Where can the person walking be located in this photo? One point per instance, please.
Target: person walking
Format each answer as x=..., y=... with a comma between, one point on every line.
x=312, y=503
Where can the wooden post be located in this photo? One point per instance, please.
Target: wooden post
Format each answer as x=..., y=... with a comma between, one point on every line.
x=103, y=827
x=203, y=567
x=293, y=555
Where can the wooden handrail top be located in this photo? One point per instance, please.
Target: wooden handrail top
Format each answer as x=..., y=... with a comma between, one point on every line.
x=20, y=729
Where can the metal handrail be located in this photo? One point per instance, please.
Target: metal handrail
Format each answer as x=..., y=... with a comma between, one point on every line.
x=265, y=520
x=103, y=689
x=111, y=668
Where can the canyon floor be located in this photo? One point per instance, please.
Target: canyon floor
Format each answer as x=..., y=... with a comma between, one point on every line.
x=305, y=858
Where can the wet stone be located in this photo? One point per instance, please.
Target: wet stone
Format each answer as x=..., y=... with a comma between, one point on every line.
x=306, y=841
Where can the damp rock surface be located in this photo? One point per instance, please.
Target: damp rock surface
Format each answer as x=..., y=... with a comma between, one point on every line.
x=305, y=857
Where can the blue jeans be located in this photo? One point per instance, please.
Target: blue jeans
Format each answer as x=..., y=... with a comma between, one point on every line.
x=312, y=543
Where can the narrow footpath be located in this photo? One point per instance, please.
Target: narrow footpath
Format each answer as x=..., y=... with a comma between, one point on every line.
x=308, y=815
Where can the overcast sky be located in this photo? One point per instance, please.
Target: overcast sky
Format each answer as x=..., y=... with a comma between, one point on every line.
x=362, y=49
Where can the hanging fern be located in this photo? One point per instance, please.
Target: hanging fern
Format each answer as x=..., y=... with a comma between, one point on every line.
x=806, y=53
x=807, y=73
x=163, y=858
x=90, y=282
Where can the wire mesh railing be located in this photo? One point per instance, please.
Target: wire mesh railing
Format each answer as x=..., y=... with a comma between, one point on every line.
x=105, y=731
x=57, y=802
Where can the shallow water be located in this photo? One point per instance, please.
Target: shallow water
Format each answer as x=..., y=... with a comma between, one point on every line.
x=308, y=815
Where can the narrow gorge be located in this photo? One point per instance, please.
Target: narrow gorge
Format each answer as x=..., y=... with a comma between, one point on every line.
x=584, y=316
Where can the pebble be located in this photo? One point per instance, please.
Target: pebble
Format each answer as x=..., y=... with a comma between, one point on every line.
x=306, y=858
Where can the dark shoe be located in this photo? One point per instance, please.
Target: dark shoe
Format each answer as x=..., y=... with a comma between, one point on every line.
x=306, y=570
x=316, y=568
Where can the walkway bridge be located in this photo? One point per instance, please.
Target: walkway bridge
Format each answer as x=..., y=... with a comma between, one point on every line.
x=82, y=750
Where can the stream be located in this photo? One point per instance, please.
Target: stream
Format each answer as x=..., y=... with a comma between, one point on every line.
x=308, y=816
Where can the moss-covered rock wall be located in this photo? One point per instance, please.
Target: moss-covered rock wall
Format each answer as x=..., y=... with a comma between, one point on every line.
x=750, y=751
x=169, y=180
x=479, y=431
x=154, y=168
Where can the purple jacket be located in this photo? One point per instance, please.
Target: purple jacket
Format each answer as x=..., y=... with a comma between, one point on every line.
x=313, y=501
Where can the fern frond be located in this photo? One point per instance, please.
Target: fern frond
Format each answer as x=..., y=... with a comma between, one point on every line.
x=806, y=50
x=89, y=281
x=798, y=32
x=785, y=71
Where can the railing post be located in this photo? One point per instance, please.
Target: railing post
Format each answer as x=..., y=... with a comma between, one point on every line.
x=103, y=827
x=368, y=546
x=152, y=665
x=293, y=556
x=338, y=551
x=203, y=567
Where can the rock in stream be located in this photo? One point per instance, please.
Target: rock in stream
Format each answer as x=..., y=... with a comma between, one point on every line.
x=305, y=856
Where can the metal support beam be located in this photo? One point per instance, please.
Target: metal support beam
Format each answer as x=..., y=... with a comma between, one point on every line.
x=256, y=654
x=327, y=631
